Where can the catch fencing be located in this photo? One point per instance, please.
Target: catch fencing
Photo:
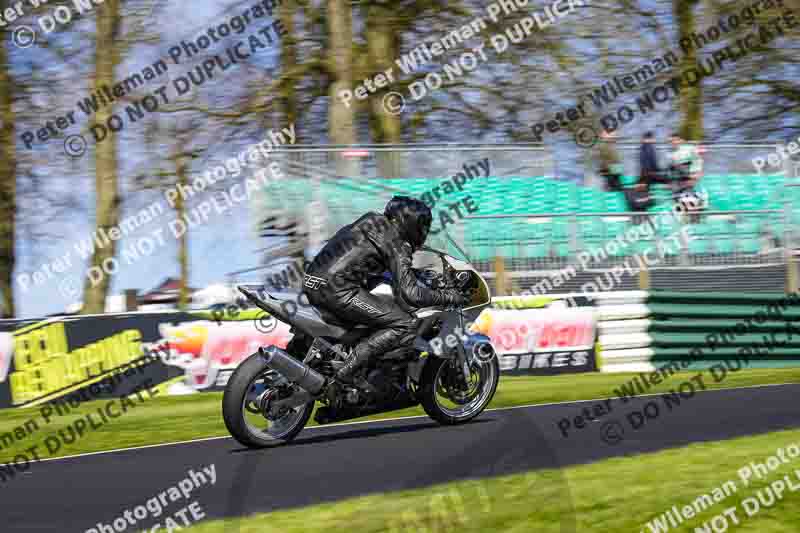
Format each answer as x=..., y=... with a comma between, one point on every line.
x=535, y=208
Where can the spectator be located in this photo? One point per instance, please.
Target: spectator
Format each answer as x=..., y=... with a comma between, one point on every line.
x=609, y=162
x=686, y=167
x=649, y=171
x=639, y=200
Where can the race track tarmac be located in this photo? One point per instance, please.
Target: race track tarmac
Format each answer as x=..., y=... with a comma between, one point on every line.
x=332, y=463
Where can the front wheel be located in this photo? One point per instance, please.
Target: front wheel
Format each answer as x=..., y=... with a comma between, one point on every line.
x=245, y=406
x=446, y=402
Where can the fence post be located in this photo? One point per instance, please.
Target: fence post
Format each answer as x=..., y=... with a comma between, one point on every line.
x=788, y=253
x=131, y=300
x=500, y=275
x=644, y=279
x=573, y=237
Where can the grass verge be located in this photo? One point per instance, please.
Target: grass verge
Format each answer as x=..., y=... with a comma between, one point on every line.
x=615, y=495
x=170, y=419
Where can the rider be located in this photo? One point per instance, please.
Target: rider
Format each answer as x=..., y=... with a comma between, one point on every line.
x=339, y=279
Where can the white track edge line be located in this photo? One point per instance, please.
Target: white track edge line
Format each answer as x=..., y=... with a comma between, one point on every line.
x=146, y=446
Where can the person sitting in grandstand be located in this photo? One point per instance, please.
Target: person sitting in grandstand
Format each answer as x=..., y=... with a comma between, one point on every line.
x=686, y=167
x=639, y=200
x=609, y=162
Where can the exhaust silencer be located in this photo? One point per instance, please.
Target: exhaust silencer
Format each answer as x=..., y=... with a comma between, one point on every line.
x=292, y=369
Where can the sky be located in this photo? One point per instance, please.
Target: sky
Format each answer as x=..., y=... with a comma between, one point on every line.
x=222, y=244
x=225, y=242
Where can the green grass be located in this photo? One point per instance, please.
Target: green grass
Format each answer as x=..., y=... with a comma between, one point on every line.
x=615, y=495
x=169, y=419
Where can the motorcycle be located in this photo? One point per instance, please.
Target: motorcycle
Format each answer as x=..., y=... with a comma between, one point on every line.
x=451, y=372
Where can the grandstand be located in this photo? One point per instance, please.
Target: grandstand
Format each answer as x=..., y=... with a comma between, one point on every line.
x=536, y=222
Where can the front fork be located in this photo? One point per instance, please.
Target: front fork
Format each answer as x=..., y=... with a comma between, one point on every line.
x=462, y=359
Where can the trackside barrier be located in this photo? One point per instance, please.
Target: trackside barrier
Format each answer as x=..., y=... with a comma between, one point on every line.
x=633, y=331
x=700, y=330
x=641, y=331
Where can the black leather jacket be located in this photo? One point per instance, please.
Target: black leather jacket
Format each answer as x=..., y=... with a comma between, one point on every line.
x=363, y=251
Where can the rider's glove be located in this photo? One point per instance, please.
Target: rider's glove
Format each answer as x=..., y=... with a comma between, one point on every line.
x=454, y=297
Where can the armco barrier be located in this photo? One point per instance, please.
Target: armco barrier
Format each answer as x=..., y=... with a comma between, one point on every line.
x=637, y=331
x=699, y=330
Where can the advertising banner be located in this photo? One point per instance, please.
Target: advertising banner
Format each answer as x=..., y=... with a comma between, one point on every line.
x=207, y=352
x=551, y=340
x=49, y=360
x=111, y=355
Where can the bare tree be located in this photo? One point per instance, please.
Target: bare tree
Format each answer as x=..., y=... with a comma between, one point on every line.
x=691, y=98
x=8, y=181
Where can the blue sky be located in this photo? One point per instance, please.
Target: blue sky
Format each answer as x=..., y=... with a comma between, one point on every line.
x=225, y=243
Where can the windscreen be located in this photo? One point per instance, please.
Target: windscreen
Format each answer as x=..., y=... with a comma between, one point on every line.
x=445, y=242
x=429, y=259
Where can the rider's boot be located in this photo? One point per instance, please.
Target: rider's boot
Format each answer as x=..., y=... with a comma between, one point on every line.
x=347, y=374
x=351, y=365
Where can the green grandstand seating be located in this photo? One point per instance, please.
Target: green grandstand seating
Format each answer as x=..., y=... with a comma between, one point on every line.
x=724, y=246
x=698, y=246
x=749, y=245
x=530, y=195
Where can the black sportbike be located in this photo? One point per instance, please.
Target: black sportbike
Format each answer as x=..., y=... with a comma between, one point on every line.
x=451, y=372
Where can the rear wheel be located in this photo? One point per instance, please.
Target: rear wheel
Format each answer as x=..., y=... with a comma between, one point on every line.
x=446, y=402
x=246, y=406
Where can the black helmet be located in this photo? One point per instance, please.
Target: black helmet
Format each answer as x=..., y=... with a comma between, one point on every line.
x=411, y=217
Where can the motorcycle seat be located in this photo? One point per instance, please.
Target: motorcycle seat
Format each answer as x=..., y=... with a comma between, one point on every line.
x=304, y=317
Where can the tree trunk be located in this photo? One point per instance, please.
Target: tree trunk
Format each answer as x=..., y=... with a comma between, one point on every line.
x=183, y=240
x=107, y=198
x=691, y=98
x=8, y=183
x=288, y=92
x=341, y=128
x=383, y=46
